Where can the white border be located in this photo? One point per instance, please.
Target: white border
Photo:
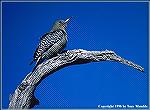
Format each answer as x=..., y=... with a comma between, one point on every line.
x=73, y=1
x=149, y=53
x=82, y=1
x=1, y=55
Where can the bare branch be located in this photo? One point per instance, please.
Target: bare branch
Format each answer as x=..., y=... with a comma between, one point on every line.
x=24, y=98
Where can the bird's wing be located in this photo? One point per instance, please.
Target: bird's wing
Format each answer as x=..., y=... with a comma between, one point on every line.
x=45, y=35
x=46, y=41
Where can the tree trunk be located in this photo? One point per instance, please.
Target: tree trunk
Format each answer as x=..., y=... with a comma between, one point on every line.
x=23, y=97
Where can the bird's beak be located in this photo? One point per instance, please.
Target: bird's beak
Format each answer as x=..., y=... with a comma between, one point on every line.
x=67, y=20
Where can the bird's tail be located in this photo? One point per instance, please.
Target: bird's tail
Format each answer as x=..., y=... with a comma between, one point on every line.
x=35, y=67
x=39, y=61
x=32, y=62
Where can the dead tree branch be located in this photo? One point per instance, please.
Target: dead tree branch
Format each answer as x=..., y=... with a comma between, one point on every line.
x=23, y=97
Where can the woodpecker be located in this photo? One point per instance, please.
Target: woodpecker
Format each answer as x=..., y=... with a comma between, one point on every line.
x=52, y=42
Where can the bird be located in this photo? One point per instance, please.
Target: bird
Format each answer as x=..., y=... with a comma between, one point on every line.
x=51, y=43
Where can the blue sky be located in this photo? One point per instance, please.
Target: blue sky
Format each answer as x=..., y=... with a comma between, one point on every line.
x=121, y=27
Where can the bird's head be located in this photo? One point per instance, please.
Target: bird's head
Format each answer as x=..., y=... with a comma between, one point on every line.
x=60, y=24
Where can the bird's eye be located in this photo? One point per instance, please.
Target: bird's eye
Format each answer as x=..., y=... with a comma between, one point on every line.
x=60, y=22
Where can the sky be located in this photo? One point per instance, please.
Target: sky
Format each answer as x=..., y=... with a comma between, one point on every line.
x=121, y=27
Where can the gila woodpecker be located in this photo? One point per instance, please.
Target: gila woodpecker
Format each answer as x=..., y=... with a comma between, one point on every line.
x=52, y=42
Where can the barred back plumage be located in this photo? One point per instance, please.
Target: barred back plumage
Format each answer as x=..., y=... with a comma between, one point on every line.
x=47, y=41
x=51, y=43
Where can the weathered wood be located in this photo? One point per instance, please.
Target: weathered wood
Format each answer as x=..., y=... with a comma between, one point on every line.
x=23, y=97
